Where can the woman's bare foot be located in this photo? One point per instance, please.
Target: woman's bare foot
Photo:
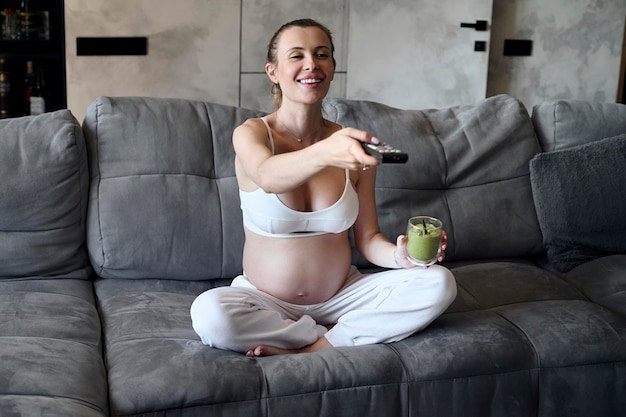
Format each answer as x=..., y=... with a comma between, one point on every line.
x=264, y=350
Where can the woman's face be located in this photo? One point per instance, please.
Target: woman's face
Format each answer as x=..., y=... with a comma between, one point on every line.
x=305, y=65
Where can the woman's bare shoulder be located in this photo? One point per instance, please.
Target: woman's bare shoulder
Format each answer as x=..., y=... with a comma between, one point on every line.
x=252, y=129
x=251, y=126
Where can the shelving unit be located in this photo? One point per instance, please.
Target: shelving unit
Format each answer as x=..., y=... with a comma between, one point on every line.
x=47, y=54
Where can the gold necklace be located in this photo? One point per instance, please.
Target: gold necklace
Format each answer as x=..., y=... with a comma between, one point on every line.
x=288, y=130
x=299, y=139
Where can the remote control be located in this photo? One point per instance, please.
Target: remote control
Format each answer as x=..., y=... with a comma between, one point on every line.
x=385, y=153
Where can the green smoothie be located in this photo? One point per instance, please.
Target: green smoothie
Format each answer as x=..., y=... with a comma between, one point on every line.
x=423, y=242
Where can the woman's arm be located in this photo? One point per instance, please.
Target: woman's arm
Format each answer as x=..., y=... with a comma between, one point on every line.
x=369, y=240
x=284, y=172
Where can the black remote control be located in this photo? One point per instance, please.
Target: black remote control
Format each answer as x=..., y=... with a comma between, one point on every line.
x=385, y=153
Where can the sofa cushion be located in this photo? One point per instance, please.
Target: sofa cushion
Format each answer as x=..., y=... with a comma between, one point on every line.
x=468, y=166
x=562, y=124
x=150, y=343
x=516, y=338
x=163, y=196
x=610, y=290
x=50, y=349
x=43, y=197
x=578, y=193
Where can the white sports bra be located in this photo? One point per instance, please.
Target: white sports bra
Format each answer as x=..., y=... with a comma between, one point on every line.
x=266, y=215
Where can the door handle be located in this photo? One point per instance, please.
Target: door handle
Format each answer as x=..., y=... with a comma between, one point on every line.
x=480, y=25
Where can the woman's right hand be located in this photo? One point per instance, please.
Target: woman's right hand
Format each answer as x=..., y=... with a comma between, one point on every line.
x=344, y=149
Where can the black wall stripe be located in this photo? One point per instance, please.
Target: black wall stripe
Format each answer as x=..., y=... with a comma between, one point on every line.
x=112, y=46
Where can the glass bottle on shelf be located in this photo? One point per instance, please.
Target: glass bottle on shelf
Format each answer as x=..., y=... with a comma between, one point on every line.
x=5, y=90
x=33, y=22
x=10, y=24
x=29, y=83
x=25, y=21
x=38, y=95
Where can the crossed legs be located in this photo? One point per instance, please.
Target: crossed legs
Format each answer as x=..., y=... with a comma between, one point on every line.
x=375, y=308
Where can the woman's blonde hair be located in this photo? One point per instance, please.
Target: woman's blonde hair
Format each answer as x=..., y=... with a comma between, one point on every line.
x=273, y=45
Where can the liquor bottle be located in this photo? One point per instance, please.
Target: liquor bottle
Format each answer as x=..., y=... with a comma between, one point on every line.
x=5, y=90
x=25, y=20
x=29, y=84
x=38, y=95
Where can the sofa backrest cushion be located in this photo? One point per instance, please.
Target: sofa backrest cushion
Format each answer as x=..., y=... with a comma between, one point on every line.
x=468, y=166
x=562, y=124
x=163, y=194
x=43, y=197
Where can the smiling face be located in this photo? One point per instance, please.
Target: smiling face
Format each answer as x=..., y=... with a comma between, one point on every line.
x=302, y=63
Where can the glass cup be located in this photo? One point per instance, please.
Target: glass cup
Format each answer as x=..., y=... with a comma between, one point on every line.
x=424, y=240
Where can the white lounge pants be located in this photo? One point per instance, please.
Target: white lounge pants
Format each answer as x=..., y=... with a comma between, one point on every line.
x=370, y=308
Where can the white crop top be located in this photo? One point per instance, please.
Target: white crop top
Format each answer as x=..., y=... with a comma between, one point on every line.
x=266, y=215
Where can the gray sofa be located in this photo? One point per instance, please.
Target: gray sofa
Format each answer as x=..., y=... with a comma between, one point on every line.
x=109, y=230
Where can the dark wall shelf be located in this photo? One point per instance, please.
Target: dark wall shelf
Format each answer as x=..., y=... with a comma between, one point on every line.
x=46, y=54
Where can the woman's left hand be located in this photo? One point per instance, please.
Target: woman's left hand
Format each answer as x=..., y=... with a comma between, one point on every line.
x=401, y=255
x=444, y=246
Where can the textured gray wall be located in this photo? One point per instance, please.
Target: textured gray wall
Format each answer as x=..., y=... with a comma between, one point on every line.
x=577, y=49
x=213, y=49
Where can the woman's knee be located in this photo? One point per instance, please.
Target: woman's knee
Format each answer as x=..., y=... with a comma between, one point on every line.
x=210, y=318
x=446, y=289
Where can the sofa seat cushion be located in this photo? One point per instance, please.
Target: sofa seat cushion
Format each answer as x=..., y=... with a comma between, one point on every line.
x=468, y=166
x=503, y=348
x=43, y=197
x=495, y=284
x=157, y=364
x=149, y=344
x=603, y=281
x=576, y=344
x=50, y=349
x=578, y=194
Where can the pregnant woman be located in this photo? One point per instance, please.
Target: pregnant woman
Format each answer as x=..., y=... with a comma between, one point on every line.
x=304, y=182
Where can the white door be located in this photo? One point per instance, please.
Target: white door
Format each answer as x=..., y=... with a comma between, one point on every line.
x=414, y=54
